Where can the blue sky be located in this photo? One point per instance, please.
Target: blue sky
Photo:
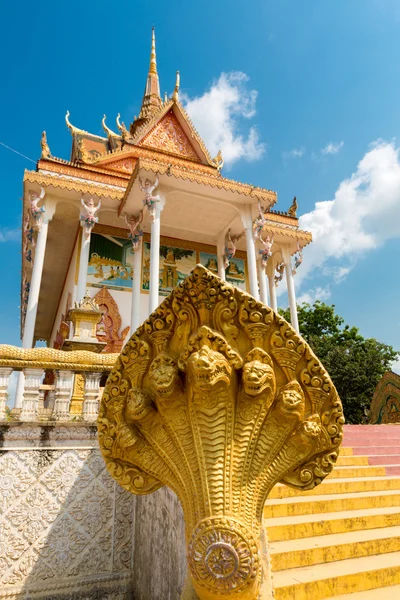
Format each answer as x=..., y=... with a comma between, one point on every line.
x=303, y=97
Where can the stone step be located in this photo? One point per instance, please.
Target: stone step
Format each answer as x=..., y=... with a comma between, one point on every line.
x=317, y=582
x=371, y=442
x=305, y=526
x=392, y=592
x=345, y=451
x=387, y=459
x=377, y=449
x=383, y=427
x=339, y=486
x=353, y=461
x=306, y=505
x=330, y=548
x=349, y=471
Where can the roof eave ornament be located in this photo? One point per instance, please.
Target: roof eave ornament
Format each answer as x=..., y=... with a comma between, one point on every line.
x=218, y=161
x=292, y=212
x=46, y=153
x=109, y=132
x=125, y=135
x=74, y=130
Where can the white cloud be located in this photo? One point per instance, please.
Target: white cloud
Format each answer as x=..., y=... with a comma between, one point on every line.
x=218, y=115
x=332, y=148
x=295, y=153
x=362, y=216
x=396, y=366
x=319, y=293
x=10, y=235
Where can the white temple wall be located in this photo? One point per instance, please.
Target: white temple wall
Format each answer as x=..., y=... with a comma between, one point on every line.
x=69, y=287
x=68, y=531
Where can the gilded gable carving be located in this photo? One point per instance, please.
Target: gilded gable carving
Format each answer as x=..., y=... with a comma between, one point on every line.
x=168, y=136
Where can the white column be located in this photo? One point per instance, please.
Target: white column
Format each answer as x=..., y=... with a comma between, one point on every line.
x=5, y=373
x=33, y=379
x=64, y=382
x=136, y=281
x=251, y=251
x=272, y=292
x=262, y=280
x=91, y=398
x=290, y=287
x=154, y=282
x=83, y=265
x=31, y=311
x=220, y=255
x=36, y=279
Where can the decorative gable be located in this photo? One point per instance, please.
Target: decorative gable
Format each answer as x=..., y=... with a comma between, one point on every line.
x=169, y=136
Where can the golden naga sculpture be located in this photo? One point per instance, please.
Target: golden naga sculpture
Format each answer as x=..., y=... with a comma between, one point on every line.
x=217, y=397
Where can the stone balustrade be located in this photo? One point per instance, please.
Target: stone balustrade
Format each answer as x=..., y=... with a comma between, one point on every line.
x=57, y=385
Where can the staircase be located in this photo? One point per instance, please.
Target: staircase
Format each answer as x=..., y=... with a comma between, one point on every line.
x=342, y=539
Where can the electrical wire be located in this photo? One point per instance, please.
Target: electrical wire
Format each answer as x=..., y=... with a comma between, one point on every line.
x=16, y=152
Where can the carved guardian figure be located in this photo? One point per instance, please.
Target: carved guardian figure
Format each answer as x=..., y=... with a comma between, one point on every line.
x=217, y=397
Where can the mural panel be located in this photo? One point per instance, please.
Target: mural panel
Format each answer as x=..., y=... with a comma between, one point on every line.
x=110, y=262
x=235, y=273
x=175, y=265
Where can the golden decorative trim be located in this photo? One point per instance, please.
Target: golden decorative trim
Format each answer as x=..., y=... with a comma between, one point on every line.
x=110, y=323
x=83, y=171
x=76, y=186
x=298, y=234
x=78, y=395
x=216, y=396
x=48, y=358
x=139, y=152
x=280, y=218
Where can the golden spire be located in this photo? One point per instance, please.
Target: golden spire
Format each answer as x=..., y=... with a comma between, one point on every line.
x=152, y=101
x=153, y=63
x=175, y=95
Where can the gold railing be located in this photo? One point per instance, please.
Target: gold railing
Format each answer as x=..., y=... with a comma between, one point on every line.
x=55, y=386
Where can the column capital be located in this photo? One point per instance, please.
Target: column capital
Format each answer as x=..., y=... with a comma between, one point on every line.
x=245, y=215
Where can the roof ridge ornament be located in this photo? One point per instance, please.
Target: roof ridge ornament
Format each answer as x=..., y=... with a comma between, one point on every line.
x=218, y=161
x=46, y=153
x=292, y=212
x=71, y=127
x=108, y=131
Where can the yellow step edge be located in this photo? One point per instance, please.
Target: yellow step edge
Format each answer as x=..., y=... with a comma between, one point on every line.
x=333, y=503
x=340, y=472
x=342, y=577
x=305, y=526
x=392, y=592
x=339, y=486
x=346, y=451
x=352, y=461
x=332, y=548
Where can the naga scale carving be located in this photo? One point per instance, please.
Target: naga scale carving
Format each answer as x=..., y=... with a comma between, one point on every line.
x=216, y=396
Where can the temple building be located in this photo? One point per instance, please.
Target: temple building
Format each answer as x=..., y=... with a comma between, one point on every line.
x=131, y=214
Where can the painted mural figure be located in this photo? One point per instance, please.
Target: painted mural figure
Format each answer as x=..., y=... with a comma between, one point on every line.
x=149, y=200
x=37, y=211
x=135, y=231
x=88, y=217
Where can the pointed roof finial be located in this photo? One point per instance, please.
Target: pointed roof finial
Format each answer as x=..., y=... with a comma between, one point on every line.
x=153, y=63
x=175, y=95
x=152, y=101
